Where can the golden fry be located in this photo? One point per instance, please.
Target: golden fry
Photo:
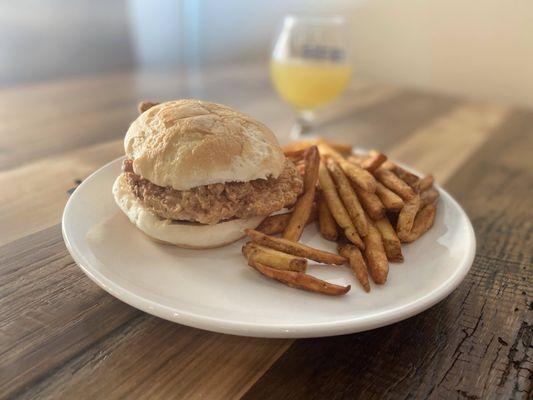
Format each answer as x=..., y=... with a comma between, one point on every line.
x=391, y=242
x=391, y=181
x=276, y=224
x=336, y=207
x=300, y=167
x=349, y=198
x=428, y=196
x=300, y=280
x=343, y=148
x=390, y=200
x=302, y=145
x=371, y=204
x=407, y=215
x=373, y=161
x=326, y=223
x=302, y=209
x=295, y=156
x=423, y=222
x=361, y=178
x=297, y=146
x=425, y=183
x=357, y=263
x=356, y=159
x=408, y=177
x=294, y=248
x=375, y=255
x=273, y=258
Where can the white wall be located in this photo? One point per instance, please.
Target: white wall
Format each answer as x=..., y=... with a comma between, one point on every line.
x=476, y=48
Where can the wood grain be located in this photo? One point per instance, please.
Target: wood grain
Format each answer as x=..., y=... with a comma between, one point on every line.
x=62, y=334
x=49, y=310
x=462, y=131
x=62, y=337
x=477, y=343
x=42, y=188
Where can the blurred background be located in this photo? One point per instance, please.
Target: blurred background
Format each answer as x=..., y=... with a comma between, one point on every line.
x=480, y=49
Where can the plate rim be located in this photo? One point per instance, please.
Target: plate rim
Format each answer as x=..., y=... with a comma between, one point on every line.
x=271, y=330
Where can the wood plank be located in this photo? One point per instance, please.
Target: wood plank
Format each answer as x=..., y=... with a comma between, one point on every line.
x=49, y=310
x=463, y=130
x=44, y=120
x=387, y=125
x=475, y=344
x=153, y=358
x=41, y=188
x=54, y=322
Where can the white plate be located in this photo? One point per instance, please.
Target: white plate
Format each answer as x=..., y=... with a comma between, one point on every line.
x=216, y=290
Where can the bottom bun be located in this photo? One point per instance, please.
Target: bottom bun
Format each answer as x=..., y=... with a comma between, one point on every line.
x=179, y=233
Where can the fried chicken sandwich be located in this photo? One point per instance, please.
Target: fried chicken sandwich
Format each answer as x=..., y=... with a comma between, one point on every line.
x=197, y=174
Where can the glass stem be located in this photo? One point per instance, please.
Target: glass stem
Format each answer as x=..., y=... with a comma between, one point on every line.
x=303, y=125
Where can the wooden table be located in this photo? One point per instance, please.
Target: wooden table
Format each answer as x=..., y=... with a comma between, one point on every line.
x=63, y=337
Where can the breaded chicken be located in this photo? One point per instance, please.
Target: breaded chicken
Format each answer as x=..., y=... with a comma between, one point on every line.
x=217, y=202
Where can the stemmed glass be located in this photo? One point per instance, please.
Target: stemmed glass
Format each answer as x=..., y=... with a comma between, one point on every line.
x=309, y=65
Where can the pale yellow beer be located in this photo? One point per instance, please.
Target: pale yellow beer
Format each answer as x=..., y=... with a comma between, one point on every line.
x=308, y=85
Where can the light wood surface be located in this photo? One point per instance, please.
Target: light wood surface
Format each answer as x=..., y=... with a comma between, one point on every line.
x=63, y=337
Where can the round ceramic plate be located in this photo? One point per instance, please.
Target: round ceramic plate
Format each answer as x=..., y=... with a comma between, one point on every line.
x=215, y=289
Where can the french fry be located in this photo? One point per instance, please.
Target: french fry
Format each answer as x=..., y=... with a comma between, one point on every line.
x=343, y=148
x=273, y=258
x=356, y=159
x=423, y=222
x=376, y=258
x=302, y=209
x=295, y=155
x=357, y=263
x=371, y=203
x=294, y=248
x=408, y=177
x=391, y=181
x=391, y=242
x=361, y=178
x=387, y=164
x=390, y=200
x=300, y=167
x=428, y=196
x=336, y=207
x=373, y=161
x=348, y=196
x=299, y=147
x=326, y=223
x=425, y=183
x=406, y=218
x=275, y=224
x=299, y=280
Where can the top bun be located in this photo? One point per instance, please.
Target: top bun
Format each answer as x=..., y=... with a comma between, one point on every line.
x=189, y=143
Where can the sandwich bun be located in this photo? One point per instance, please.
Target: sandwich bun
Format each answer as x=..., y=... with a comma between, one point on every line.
x=188, y=143
x=179, y=233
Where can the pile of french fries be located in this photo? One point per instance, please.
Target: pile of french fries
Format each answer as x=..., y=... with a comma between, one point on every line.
x=367, y=204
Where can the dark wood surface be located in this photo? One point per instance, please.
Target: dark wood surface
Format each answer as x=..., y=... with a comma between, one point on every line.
x=63, y=337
